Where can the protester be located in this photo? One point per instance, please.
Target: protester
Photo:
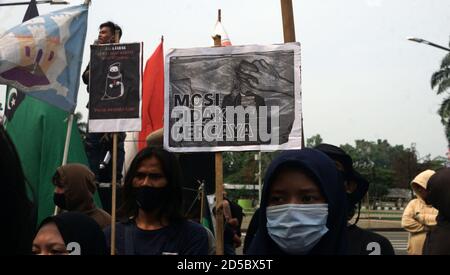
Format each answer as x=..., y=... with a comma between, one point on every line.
x=437, y=241
x=69, y=233
x=233, y=215
x=419, y=217
x=234, y=221
x=17, y=211
x=360, y=241
x=100, y=145
x=303, y=207
x=74, y=191
x=155, y=139
x=151, y=214
x=189, y=164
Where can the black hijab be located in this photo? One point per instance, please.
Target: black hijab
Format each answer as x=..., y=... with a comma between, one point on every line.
x=324, y=172
x=337, y=154
x=81, y=229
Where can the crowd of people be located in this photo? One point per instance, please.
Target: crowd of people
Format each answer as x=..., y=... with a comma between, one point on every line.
x=310, y=205
x=308, y=201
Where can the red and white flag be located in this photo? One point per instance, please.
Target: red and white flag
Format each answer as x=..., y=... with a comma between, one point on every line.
x=152, y=105
x=152, y=96
x=220, y=30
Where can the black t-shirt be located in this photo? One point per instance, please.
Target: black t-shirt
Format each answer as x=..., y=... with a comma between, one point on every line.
x=365, y=242
x=187, y=238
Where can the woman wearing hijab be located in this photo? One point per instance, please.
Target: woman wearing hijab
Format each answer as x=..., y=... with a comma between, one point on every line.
x=303, y=207
x=69, y=233
x=438, y=189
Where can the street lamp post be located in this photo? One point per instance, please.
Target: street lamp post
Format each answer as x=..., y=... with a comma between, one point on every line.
x=423, y=41
x=52, y=2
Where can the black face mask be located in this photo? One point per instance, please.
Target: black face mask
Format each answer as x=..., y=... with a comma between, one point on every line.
x=150, y=198
x=59, y=200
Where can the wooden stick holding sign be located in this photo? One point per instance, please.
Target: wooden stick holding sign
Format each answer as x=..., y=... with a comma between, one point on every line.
x=287, y=14
x=114, y=178
x=115, y=104
x=219, y=185
x=202, y=200
x=113, y=195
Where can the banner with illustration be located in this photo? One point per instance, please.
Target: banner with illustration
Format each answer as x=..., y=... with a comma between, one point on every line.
x=115, y=87
x=237, y=98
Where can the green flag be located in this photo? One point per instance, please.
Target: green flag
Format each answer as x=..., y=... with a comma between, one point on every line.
x=38, y=131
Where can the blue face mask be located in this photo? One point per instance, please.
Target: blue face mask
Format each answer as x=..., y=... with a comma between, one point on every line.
x=297, y=228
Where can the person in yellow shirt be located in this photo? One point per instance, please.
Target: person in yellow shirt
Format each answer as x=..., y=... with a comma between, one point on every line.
x=419, y=217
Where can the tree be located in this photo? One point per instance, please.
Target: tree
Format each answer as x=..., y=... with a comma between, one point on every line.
x=405, y=167
x=432, y=164
x=441, y=81
x=444, y=113
x=384, y=165
x=375, y=161
x=242, y=168
x=314, y=141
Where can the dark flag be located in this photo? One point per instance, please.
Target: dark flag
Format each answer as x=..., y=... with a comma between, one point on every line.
x=31, y=12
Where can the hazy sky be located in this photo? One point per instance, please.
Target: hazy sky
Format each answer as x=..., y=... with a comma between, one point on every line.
x=361, y=78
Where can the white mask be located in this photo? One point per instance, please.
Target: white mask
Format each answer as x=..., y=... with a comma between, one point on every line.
x=297, y=228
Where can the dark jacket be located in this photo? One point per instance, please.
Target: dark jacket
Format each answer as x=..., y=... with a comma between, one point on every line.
x=365, y=242
x=334, y=242
x=251, y=230
x=438, y=239
x=85, y=76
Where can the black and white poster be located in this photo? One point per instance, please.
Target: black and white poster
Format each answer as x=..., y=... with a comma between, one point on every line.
x=239, y=98
x=115, y=88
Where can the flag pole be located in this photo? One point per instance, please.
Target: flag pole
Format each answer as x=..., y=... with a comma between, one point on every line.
x=287, y=14
x=114, y=178
x=66, y=149
x=219, y=184
x=68, y=137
